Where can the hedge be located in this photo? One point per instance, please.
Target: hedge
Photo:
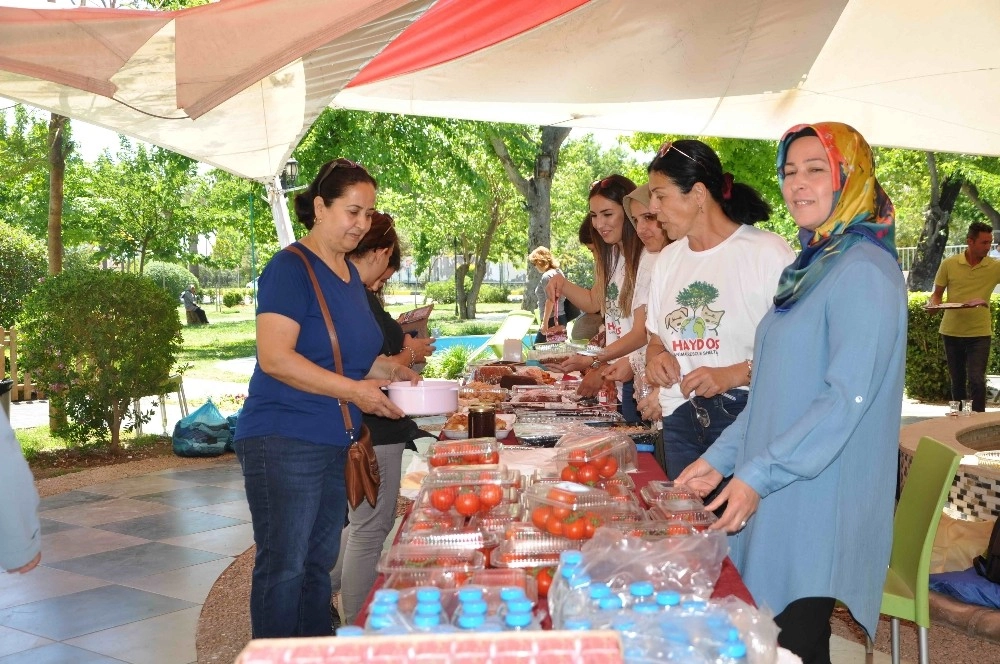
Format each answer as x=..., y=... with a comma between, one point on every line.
x=172, y=278
x=926, y=368
x=23, y=263
x=444, y=292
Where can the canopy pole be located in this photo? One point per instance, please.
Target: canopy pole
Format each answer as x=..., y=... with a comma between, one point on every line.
x=279, y=210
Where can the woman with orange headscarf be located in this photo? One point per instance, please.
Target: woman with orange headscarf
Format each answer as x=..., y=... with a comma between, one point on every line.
x=813, y=456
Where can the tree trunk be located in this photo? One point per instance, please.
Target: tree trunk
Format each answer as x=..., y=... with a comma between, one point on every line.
x=482, y=254
x=460, y=295
x=59, y=149
x=116, y=428
x=934, y=235
x=537, y=196
x=984, y=206
x=194, y=268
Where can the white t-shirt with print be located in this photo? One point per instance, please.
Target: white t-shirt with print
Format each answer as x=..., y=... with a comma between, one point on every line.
x=705, y=305
x=617, y=323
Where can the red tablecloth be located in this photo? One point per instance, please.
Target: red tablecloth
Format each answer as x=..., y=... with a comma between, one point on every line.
x=729, y=583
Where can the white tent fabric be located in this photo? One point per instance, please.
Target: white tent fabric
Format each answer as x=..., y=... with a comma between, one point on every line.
x=907, y=73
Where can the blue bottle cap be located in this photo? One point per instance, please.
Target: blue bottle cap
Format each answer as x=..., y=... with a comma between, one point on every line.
x=577, y=624
x=386, y=595
x=508, y=593
x=641, y=589
x=734, y=650
x=623, y=624
x=471, y=621
x=426, y=620
x=469, y=593
x=477, y=607
x=571, y=557
x=382, y=609
x=350, y=630
x=428, y=608
x=612, y=603
x=668, y=598
x=428, y=593
x=518, y=618
x=599, y=591
x=519, y=605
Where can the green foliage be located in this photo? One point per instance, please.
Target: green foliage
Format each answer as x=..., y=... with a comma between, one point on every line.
x=440, y=291
x=22, y=264
x=448, y=364
x=926, y=368
x=491, y=294
x=232, y=299
x=698, y=294
x=172, y=278
x=95, y=340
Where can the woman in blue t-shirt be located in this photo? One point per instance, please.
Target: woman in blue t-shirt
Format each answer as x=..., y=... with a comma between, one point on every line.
x=291, y=440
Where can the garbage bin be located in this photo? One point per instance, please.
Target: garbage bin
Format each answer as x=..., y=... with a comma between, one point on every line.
x=5, y=387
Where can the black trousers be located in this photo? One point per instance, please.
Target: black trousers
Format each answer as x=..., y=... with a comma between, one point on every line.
x=967, y=359
x=201, y=315
x=805, y=628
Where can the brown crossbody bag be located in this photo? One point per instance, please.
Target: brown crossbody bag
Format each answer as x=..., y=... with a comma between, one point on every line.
x=361, y=476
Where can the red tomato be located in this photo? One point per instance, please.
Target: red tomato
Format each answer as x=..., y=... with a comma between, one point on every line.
x=490, y=496
x=608, y=466
x=561, y=512
x=575, y=529
x=467, y=503
x=490, y=457
x=562, y=496
x=540, y=515
x=587, y=474
x=443, y=499
x=436, y=460
x=588, y=528
x=577, y=458
x=554, y=526
x=568, y=474
x=544, y=581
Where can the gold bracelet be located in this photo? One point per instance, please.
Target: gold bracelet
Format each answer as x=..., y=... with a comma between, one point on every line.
x=413, y=357
x=750, y=369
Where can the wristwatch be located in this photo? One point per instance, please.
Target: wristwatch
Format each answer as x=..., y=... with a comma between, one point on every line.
x=596, y=363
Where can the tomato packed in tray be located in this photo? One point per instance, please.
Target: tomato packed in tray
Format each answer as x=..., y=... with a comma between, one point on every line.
x=475, y=451
x=468, y=492
x=664, y=491
x=590, y=455
x=699, y=519
x=567, y=509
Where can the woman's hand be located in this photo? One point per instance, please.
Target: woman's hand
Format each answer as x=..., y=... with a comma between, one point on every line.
x=576, y=362
x=649, y=406
x=421, y=348
x=591, y=384
x=620, y=372
x=742, y=504
x=700, y=477
x=663, y=369
x=712, y=381
x=554, y=289
x=369, y=397
x=405, y=373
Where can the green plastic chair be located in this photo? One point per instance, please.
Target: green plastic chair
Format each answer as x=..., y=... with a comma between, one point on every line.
x=514, y=326
x=913, y=529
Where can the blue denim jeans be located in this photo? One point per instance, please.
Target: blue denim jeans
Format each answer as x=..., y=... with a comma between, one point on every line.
x=684, y=439
x=628, y=407
x=297, y=502
x=967, y=358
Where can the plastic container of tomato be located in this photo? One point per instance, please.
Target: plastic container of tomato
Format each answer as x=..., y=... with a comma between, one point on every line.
x=656, y=530
x=412, y=557
x=492, y=581
x=431, y=520
x=699, y=519
x=526, y=546
x=663, y=490
x=474, y=451
x=499, y=519
x=466, y=537
x=594, y=454
x=452, y=490
x=568, y=509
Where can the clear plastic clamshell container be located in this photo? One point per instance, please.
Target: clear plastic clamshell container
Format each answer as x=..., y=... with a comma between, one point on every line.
x=467, y=493
x=656, y=530
x=608, y=451
x=427, y=559
x=471, y=452
x=571, y=510
x=699, y=519
x=499, y=519
x=666, y=492
x=478, y=393
x=527, y=547
x=492, y=581
x=431, y=520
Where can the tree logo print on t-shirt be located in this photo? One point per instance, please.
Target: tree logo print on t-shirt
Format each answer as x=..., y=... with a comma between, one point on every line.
x=694, y=319
x=613, y=312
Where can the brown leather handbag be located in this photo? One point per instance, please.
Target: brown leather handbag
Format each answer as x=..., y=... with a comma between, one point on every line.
x=361, y=476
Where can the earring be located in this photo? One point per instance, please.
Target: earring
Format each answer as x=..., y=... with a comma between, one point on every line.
x=700, y=209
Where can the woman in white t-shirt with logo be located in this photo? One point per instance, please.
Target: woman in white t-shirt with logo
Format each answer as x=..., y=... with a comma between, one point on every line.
x=617, y=253
x=708, y=291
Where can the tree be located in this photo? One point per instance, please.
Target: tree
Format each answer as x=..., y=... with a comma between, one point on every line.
x=934, y=235
x=59, y=148
x=22, y=258
x=536, y=190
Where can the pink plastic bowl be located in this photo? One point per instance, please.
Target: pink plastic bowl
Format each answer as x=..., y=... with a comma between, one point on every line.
x=428, y=397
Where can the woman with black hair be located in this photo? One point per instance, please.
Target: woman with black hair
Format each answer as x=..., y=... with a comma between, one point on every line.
x=708, y=291
x=291, y=439
x=617, y=251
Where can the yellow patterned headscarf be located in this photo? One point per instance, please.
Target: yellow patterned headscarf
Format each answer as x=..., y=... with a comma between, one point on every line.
x=861, y=209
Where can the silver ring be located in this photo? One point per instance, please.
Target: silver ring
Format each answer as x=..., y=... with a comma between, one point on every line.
x=743, y=524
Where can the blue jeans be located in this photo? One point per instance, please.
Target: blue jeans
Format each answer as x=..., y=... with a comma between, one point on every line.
x=684, y=439
x=628, y=407
x=967, y=358
x=297, y=502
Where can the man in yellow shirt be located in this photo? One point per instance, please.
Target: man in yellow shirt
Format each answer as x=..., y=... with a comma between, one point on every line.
x=969, y=278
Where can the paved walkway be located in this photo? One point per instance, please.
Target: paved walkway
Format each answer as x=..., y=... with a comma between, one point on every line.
x=127, y=564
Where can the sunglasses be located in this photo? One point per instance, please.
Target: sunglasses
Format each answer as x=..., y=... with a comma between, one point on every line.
x=668, y=146
x=598, y=185
x=337, y=163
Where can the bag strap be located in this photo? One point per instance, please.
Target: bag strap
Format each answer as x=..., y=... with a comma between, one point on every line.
x=334, y=343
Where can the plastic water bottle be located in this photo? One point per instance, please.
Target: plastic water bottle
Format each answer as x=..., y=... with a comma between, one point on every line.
x=569, y=564
x=608, y=609
x=575, y=601
x=732, y=653
x=577, y=624
x=350, y=630
x=667, y=599
x=641, y=597
x=384, y=616
x=520, y=621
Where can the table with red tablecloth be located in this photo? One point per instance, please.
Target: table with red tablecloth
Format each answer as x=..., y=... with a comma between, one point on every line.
x=728, y=584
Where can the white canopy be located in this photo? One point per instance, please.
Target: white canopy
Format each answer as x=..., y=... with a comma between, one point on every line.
x=236, y=84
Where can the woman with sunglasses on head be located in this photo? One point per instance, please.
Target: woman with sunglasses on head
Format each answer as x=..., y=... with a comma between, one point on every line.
x=814, y=456
x=291, y=439
x=709, y=290
x=617, y=254
x=377, y=258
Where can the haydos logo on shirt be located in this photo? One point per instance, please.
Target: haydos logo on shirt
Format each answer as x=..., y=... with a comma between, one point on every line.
x=696, y=325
